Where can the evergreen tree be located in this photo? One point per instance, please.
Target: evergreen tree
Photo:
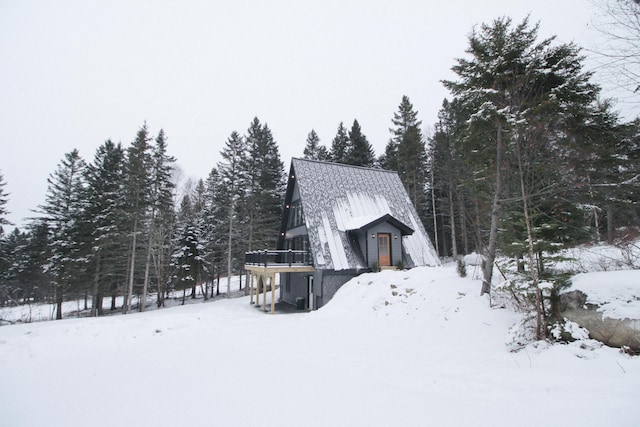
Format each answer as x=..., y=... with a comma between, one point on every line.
x=35, y=255
x=63, y=212
x=11, y=289
x=214, y=219
x=138, y=199
x=233, y=180
x=161, y=218
x=446, y=174
x=389, y=159
x=29, y=254
x=407, y=152
x=265, y=187
x=3, y=204
x=360, y=152
x=339, y=145
x=187, y=257
x=313, y=150
x=105, y=215
x=527, y=102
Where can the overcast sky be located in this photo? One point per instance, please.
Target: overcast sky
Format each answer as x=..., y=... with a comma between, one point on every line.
x=75, y=73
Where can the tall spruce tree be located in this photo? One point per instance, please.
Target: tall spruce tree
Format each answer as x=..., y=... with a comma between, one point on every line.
x=3, y=203
x=360, y=151
x=11, y=289
x=313, y=150
x=63, y=211
x=233, y=179
x=527, y=102
x=138, y=198
x=214, y=218
x=264, y=187
x=187, y=257
x=160, y=218
x=105, y=216
x=339, y=145
x=31, y=258
x=446, y=173
x=406, y=150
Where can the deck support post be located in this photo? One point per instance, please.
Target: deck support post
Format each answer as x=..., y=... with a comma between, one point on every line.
x=273, y=293
x=251, y=286
x=264, y=293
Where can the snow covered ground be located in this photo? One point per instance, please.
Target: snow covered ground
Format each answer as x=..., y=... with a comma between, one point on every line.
x=408, y=348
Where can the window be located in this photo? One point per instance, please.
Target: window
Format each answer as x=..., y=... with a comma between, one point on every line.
x=295, y=215
x=300, y=243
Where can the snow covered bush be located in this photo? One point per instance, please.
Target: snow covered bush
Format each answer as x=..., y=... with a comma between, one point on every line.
x=567, y=331
x=461, y=267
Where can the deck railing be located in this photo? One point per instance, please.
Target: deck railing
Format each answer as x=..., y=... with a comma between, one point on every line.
x=278, y=258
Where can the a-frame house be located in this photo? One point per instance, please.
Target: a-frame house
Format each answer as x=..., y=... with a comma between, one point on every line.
x=340, y=221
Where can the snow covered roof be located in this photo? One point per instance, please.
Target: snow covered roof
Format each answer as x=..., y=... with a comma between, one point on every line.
x=368, y=221
x=338, y=198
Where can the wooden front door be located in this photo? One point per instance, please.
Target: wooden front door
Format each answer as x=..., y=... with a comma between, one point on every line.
x=384, y=249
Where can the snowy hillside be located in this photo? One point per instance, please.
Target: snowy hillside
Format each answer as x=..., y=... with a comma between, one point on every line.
x=410, y=348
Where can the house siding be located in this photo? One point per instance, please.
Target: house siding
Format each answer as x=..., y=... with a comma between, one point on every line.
x=331, y=281
x=294, y=286
x=325, y=284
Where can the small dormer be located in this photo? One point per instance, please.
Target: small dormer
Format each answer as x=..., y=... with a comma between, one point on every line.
x=379, y=239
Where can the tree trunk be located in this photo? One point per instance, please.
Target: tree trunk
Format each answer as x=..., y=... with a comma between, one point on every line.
x=609, y=224
x=435, y=217
x=229, y=247
x=134, y=242
x=452, y=217
x=463, y=222
x=533, y=266
x=204, y=291
x=158, y=261
x=96, y=288
x=58, y=297
x=147, y=266
x=495, y=215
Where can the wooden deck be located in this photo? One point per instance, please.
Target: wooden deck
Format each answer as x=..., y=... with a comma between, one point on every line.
x=263, y=278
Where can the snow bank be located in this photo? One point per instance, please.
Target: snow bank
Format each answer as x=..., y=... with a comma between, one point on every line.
x=616, y=292
x=409, y=348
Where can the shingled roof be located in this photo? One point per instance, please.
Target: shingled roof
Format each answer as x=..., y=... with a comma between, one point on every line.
x=338, y=198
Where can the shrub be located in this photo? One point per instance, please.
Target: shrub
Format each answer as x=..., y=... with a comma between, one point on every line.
x=461, y=267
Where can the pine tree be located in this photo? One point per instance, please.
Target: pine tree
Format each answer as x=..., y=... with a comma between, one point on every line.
x=313, y=150
x=264, y=187
x=29, y=254
x=233, y=179
x=389, y=159
x=137, y=191
x=213, y=219
x=160, y=219
x=105, y=215
x=527, y=102
x=446, y=175
x=187, y=257
x=360, y=152
x=3, y=204
x=407, y=152
x=11, y=288
x=339, y=145
x=63, y=211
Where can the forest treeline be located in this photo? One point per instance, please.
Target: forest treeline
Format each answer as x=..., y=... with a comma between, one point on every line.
x=524, y=159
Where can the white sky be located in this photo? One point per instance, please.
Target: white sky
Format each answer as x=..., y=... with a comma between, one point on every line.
x=75, y=73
